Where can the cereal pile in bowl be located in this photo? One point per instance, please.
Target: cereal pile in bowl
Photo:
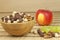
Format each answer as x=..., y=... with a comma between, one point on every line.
x=17, y=17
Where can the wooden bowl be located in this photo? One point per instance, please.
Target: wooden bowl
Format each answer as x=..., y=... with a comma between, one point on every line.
x=18, y=29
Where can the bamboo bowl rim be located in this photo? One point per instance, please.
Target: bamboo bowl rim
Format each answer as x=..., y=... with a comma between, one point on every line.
x=18, y=23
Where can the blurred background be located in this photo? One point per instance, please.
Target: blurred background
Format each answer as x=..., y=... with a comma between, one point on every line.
x=29, y=5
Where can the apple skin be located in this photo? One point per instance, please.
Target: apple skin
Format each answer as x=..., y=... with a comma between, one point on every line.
x=44, y=17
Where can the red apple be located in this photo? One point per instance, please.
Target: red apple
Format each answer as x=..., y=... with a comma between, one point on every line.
x=44, y=17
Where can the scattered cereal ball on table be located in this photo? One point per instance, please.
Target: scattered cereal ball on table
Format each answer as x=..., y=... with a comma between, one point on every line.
x=56, y=35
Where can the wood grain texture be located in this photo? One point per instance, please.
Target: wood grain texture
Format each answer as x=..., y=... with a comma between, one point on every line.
x=30, y=36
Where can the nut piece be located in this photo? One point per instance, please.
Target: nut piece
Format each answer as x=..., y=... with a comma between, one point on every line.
x=40, y=33
x=20, y=20
x=2, y=19
x=29, y=17
x=12, y=20
x=25, y=16
x=52, y=33
x=17, y=15
x=6, y=19
x=11, y=17
x=32, y=18
x=47, y=36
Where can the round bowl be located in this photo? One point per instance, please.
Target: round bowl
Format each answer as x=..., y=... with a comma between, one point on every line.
x=18, y=29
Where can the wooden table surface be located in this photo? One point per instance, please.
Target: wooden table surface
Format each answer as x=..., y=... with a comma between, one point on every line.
x=30, y=36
